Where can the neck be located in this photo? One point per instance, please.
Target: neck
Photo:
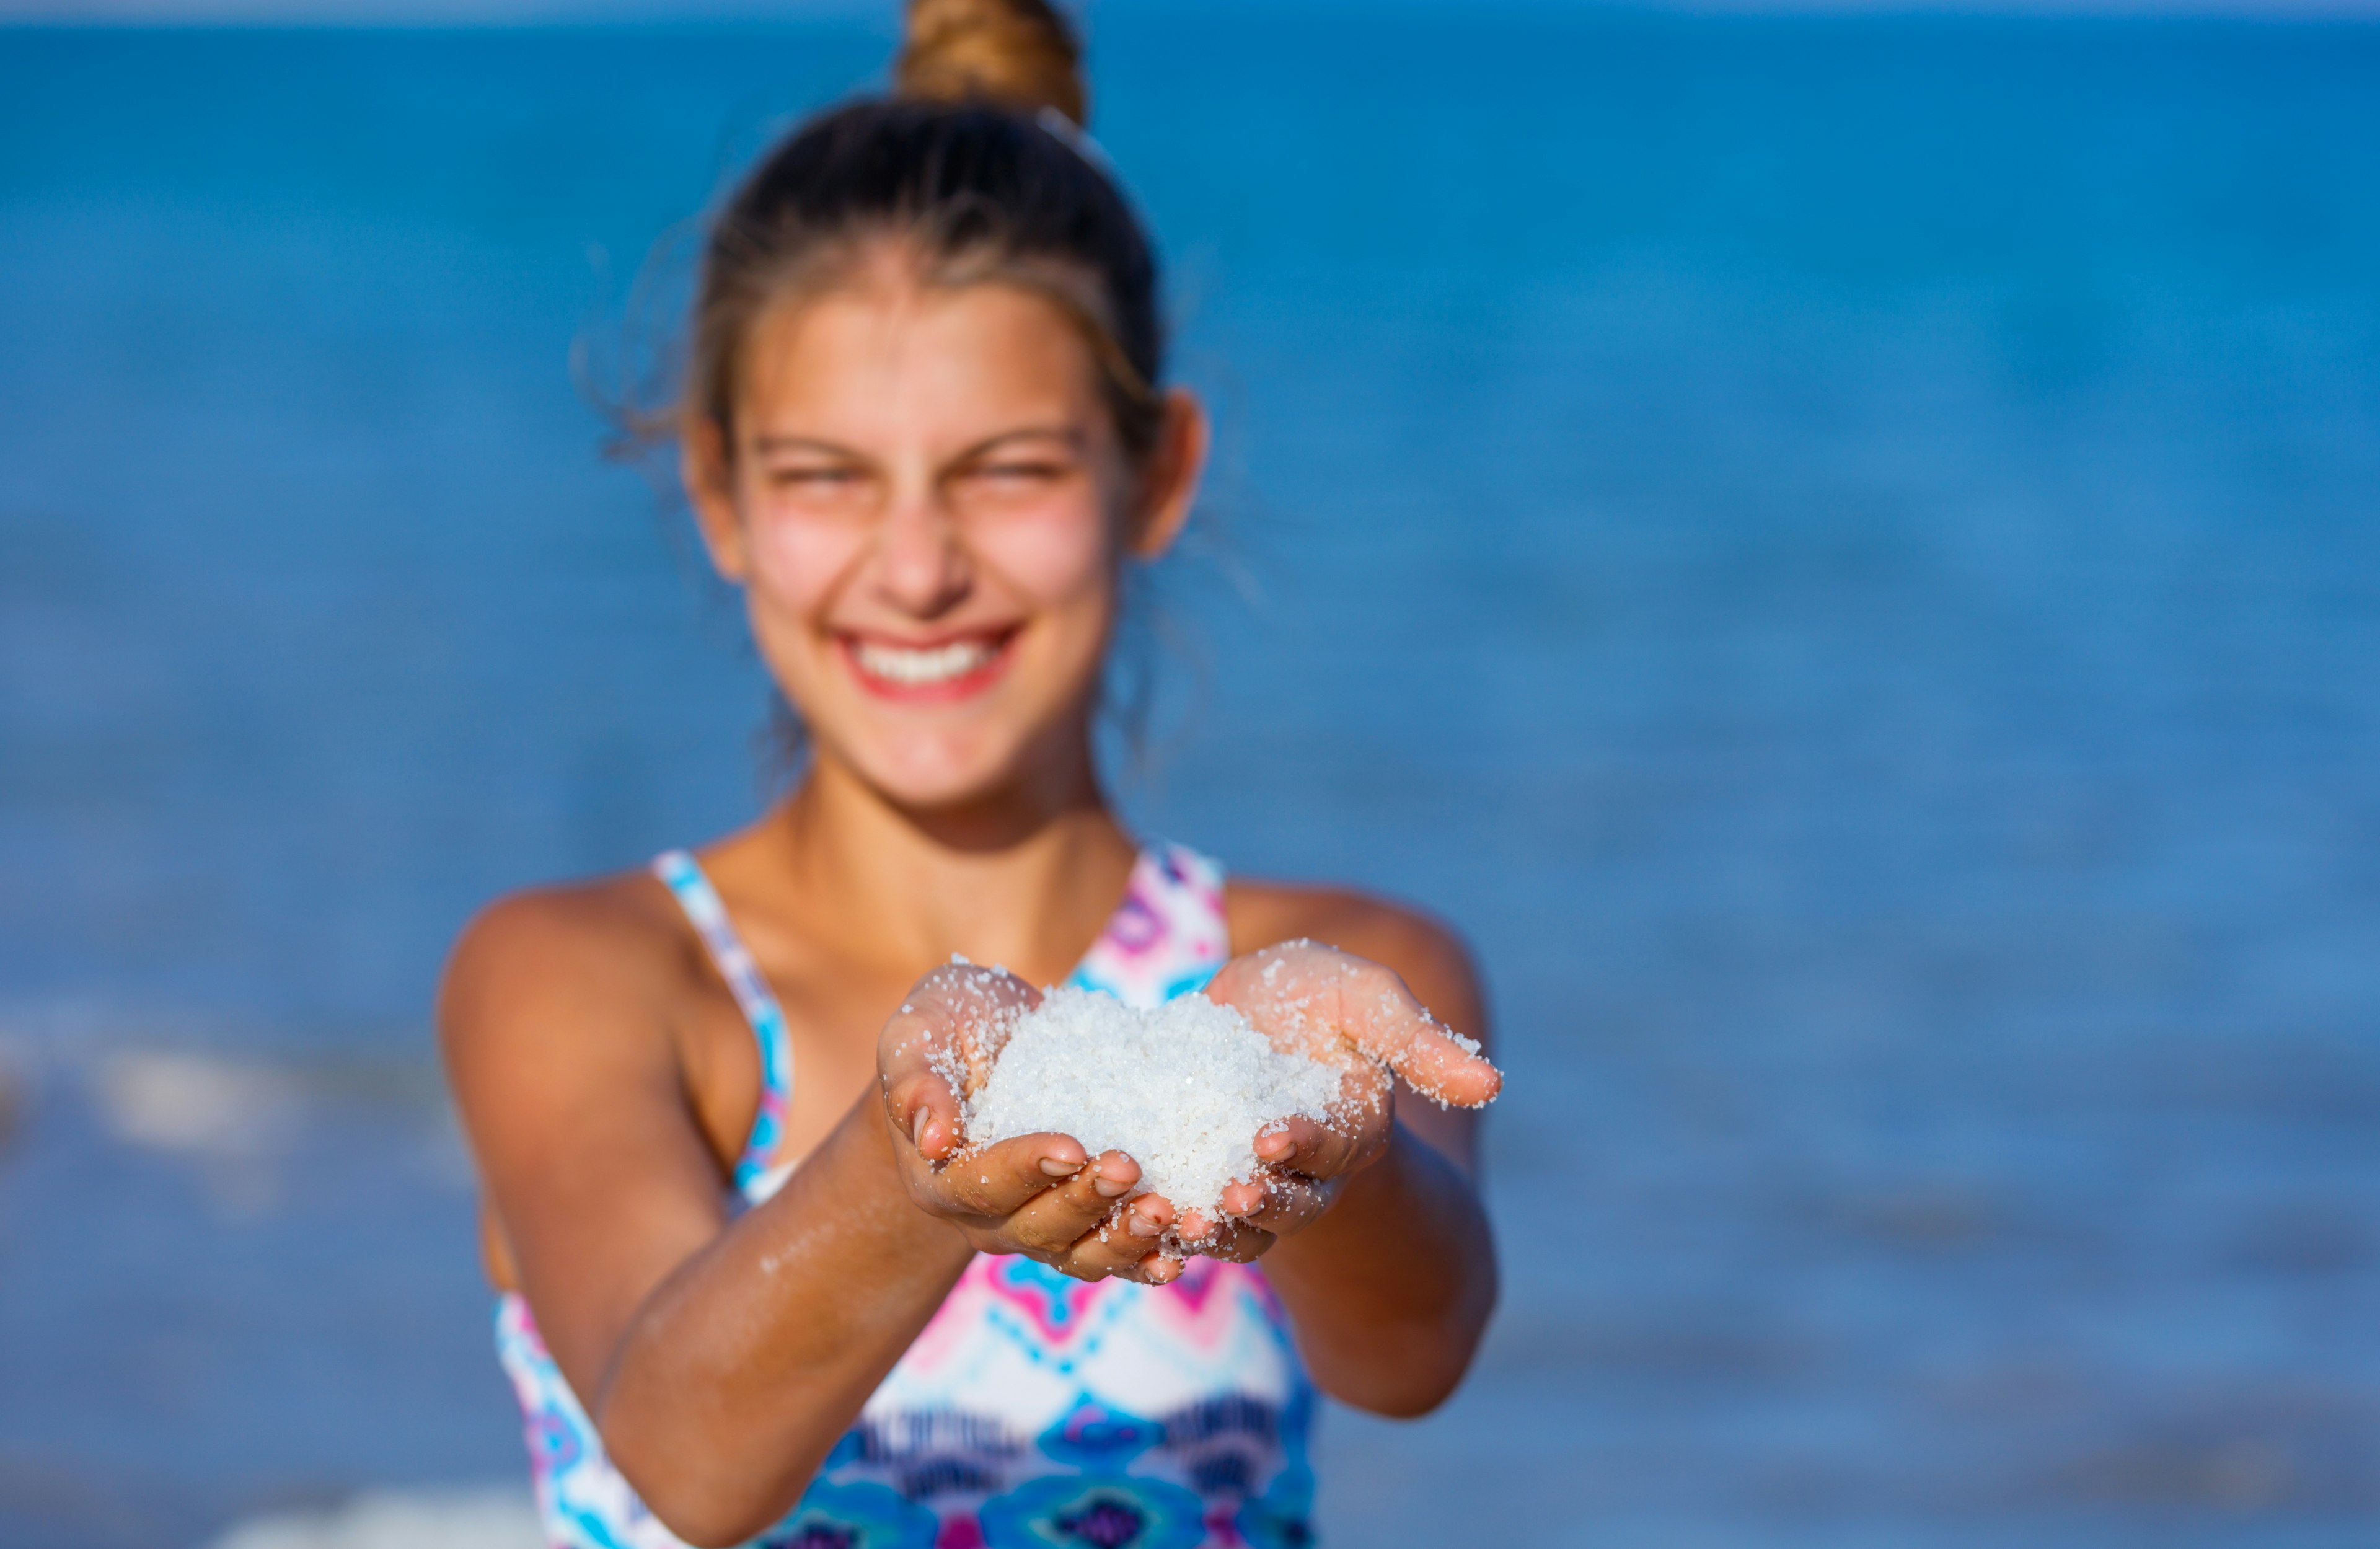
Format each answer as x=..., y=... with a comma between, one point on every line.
x=1024, y=877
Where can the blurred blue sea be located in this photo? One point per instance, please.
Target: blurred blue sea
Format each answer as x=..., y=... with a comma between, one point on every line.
x=1841, y=553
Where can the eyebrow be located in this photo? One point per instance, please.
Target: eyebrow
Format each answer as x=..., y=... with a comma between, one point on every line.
x=1072, y=438
x=800, y=444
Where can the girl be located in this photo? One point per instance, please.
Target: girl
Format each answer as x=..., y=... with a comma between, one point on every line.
x=742, y=1294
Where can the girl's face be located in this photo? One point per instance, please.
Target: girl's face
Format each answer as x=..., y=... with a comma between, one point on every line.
x=926, y=507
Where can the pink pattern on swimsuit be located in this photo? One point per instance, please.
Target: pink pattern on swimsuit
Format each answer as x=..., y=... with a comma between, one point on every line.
x=1035, y=1411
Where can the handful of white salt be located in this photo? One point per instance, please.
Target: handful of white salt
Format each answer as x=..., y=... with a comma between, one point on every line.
x=1182, y=1089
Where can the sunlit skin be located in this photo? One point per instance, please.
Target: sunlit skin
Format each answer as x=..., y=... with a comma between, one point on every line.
x=948, y=478
x=924, y=501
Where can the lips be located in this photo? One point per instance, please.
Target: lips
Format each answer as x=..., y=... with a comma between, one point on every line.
x=944, y=669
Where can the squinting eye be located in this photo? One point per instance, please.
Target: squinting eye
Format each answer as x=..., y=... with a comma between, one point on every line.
x=1020, y=472
x=813, y=478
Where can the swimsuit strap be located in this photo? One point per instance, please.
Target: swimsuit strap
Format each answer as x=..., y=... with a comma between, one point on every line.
x=756, y=1172
x=1167, y=938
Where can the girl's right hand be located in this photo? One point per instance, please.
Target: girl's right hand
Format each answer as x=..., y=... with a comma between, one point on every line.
x=1038, y=1195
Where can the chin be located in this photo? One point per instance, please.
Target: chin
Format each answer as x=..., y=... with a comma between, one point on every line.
x=938, y=777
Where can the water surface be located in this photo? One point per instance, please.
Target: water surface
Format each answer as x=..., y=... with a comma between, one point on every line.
x=1841, y=553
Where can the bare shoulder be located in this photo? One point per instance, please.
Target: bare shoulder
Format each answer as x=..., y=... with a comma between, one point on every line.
x=561, y=1019
x=1426, y=952
x=542, y=958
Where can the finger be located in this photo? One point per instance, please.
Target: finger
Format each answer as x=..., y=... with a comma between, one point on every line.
x=1160, y=1268
x=1302, y=994
x=938, y=1045
x=1049, y=1226
x=1215, y=1236
x=1380, y=1016
x=924, y=1111
x=998, y=1181
x=1280, y=1205
x=1121, y=1241
x=1299, y=1145
x=1233, y=1241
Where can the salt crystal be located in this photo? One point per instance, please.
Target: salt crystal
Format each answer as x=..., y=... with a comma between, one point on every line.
x=1183, y=1089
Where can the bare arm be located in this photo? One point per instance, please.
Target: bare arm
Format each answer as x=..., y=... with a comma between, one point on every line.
x=721, y=1360
x=1386, y=1262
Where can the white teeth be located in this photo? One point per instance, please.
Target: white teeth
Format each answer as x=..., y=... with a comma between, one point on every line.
x=900, y=665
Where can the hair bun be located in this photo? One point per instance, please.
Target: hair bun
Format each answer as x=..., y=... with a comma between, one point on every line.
x=1019, y=54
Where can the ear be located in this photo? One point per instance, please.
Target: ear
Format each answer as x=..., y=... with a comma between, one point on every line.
x=1168, y=482
x=704, y=467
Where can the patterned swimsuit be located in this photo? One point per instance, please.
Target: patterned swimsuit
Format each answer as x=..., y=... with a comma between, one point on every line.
x=1033, y=1410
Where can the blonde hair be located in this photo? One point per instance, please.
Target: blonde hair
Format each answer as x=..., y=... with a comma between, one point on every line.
x=1017, y=53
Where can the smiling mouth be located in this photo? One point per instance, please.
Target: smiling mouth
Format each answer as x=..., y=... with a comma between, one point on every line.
x=942, y=670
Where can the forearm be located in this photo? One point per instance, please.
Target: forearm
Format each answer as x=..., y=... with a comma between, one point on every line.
x=742, y=1369
x=1389, y=1290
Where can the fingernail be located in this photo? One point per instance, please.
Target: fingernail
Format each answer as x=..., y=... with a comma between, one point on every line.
x=1143, y=1225
x=1109, y=1187
x=1058, y=1167
x=1276, y=1148
x=917, y=1128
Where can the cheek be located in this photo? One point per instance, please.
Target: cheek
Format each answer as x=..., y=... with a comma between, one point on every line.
x=1053, y=557
x=795, y=564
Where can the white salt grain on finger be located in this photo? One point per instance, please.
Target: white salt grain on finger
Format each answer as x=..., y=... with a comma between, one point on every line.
x=1182, y=1089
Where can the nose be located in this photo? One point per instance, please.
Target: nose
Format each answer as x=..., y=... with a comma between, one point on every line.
x=921, y=567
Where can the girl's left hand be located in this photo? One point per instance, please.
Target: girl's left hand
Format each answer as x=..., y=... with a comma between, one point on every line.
x=1353, y=1013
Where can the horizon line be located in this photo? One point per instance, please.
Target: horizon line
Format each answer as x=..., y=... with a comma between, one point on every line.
x=481, y=14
